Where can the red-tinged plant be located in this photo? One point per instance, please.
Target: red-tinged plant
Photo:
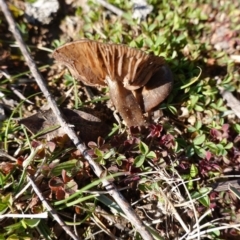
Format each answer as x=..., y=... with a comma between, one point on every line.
x=208, y=155
x=56, y=185
x=225, y=131
x=6, y=167
x=97, y=148
x=20, y=160
x=35, y=143
x=62, y=187
x=219, y=135
x=100, y=144
x=155, y=131
x=130, y=143
x=167, y=141
x=212, y=196
x=51, y=146
x=131, y=178
x=205, y=167
x=216, y=135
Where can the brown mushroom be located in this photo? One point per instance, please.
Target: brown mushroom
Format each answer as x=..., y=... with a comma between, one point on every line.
x=137, y=81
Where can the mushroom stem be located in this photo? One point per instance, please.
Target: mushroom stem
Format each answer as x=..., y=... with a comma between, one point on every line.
x=125, y=103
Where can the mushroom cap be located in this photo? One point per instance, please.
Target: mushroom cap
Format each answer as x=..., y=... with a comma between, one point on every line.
x=91, y=61
x=137, y=81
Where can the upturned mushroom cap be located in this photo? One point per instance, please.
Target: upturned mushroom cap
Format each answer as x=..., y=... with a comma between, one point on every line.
x=137, y=81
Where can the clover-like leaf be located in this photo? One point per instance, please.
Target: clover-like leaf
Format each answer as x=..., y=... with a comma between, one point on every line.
x=151, y=155
x=143, y=148
x=199, y=139
x=201, y=152
x=98, y=152
x=139, y=160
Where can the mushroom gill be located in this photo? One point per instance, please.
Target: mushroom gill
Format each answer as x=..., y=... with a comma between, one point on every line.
x=137, y=81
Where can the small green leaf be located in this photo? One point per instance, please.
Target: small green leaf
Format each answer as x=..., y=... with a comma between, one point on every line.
x=190, y=151
x=229, y=145
x=101, y=161
x=198, y=125
x=143, y=148
x=13, y=237
x=152, y=27
x=119, y=160
x=108, y=154
x=200, y=151
x=220, y=102
x=2, y=179
x=98, y=152
x=215, y=233
x=172, y=109
x=221, y=150
x=3, y=208
x=199, y=139
x=160, y=40
x=7, y=199
x=193, y=171
x=115, y=128
x=121, y=157
x=211, y=146
x=24, y=223
x=237, y=128
x=32, y=223
x=199, y=108
x=139, y=160
x=151, y=155
x=204, y=200
x=194, y=99
x=192, y=129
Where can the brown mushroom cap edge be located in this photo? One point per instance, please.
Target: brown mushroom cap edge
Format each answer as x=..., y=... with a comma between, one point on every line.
x=137, y=81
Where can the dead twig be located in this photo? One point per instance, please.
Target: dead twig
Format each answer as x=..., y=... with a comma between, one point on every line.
x=110, y=7
x=15, y=91
x=131, y=215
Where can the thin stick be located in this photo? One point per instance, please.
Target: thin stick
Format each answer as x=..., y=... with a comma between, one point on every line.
x=6, y=155
x=110, y=7
x=20, y=95
x=129, y=212
x=32, y=216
